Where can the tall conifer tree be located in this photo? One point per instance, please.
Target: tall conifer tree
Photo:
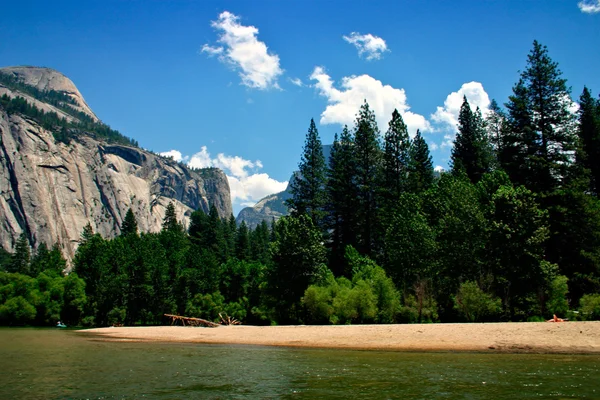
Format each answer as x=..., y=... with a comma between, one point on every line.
x=367, y=150
x=308, y=186
x=420, y=175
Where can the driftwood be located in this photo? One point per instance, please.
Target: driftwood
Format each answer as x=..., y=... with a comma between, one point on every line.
x=227, y=320
x=190, y=321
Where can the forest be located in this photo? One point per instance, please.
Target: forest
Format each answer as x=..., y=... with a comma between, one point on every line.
x=510, y=233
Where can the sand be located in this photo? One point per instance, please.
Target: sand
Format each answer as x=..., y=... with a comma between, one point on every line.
x=524, y=337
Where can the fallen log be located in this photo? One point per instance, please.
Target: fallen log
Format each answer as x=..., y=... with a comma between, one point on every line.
x=190, y=321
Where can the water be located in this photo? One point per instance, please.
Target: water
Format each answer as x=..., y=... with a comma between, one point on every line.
x=62, y=364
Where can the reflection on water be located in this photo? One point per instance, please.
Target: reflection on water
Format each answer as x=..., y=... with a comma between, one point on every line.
x=56, y=364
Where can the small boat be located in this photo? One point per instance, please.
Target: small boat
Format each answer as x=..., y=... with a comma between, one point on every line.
x=61, y=325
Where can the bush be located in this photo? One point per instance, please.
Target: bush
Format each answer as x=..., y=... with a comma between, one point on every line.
x=557, y=296
x=589, y=306
x=475, y=304
x=18, y=311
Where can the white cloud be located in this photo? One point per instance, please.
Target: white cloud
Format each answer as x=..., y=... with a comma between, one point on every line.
x=433, y=146
x=368, y=45
x=448, y=141
x=344, y=103
x=476, y=96
x=589, y=6
x=297, y=82
x=174, y=154
x=240, y=48
x=439, y=168
x=247, y=186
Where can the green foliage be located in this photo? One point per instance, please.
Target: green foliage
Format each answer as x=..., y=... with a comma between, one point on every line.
x=21, y=257
x=308, y=186
x=129, y=226
x=557, y=296
x=589, y=307
x=472, y=153
x=475, y=304
x=420, y=165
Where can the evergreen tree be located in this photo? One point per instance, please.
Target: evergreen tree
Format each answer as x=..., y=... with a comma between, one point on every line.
x=538, y=149
x=298, y=261
x=307, y=187
x=395, y=162
x=367, y=150
x=129, y=226
x=341, y=200
x=21, y=256
x=495, y=123
x=170, y=222
x=420, y=177
x=472, y=152
x=589, y=135
x=242, y=242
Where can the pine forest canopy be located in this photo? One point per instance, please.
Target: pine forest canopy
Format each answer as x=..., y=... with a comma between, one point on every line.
x=511, y=233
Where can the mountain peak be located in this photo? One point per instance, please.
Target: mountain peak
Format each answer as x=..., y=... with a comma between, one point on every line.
x=44, y=78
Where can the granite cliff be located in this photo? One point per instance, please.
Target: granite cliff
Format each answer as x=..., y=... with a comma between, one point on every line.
x=51, y=189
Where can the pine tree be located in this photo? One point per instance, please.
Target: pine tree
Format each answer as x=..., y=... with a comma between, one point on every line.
x=242, y=242
x=420, y=175
x=21, y=257
x=170, y=222
x=307, y=187
x=395, y=160
x=538, y=149
x=495, y=123
x=589, y=135
x=129, y=226
x=471, y=153
x=367, y=150
x=341, y=200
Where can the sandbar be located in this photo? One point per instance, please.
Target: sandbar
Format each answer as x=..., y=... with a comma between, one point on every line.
x=523, y=337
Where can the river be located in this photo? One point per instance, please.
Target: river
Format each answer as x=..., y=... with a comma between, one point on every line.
x=63, y=364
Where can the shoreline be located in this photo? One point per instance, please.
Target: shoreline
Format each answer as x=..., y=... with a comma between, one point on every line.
x=501, y=337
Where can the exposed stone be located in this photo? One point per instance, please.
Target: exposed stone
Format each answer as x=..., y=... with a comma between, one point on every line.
x=51, y=190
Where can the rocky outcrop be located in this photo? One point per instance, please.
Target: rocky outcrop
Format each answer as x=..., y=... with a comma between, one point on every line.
x=268, y=209
x=51, y=190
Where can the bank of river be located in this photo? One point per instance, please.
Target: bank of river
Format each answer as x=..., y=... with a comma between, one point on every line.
x=57, y=364
x=530, y=337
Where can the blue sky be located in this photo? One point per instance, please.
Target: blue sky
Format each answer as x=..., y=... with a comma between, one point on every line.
x=235, y=83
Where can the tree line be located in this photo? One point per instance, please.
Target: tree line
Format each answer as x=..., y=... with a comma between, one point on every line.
x=510, y=233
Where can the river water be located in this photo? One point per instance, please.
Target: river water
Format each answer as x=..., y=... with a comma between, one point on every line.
x=64, y=364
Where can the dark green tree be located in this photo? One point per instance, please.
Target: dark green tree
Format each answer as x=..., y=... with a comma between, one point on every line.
x=308, y=186
x=242, y=242
x=129, y=225
x=420, y=165
x=341, y=200
x=537, y=150
x=21, y=257
x=395, y=162
x=589, y=135
x=472, y=152
x=298, y=261
x=367, y=150
x=170, y=222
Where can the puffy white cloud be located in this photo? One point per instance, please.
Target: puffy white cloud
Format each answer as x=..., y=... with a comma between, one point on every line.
x=344, y=103
x=247, y=186
x=589, y=6
x=240, y=48
x=368, y=45
x=439, y=168
x=433, y=146
x=476, y=96
x=174, y=154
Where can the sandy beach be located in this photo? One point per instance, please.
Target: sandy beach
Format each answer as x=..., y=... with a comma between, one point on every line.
x=530, y=337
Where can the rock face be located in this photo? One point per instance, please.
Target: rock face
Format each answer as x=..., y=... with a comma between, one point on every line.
x=272, y=207
x=267, y=209
x=51, y=190
x=49, y=79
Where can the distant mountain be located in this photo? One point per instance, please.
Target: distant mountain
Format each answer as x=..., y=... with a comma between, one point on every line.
x=272, y=207
x=62, y=168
